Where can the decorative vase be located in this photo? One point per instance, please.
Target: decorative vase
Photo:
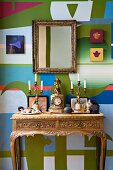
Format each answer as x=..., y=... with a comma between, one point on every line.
x=95, y=107
x=68, y=109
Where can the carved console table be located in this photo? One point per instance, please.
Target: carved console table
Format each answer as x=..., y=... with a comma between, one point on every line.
x=57, y=124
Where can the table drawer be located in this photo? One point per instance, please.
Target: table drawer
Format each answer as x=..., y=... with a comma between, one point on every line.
x=58, y=124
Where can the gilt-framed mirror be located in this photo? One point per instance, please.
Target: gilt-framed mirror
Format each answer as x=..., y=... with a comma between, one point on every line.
x=54, y=46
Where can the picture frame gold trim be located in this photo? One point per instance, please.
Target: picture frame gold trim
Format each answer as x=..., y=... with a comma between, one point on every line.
x=35, y=46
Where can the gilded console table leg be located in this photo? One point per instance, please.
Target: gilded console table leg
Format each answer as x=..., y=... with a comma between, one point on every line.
x=18, y=151
x=98, y=151
x=103, y=151
x=13, y=138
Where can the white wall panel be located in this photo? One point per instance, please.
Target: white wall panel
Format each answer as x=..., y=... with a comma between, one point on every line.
x=11, y=100
x=75, y=162
x=49, y=163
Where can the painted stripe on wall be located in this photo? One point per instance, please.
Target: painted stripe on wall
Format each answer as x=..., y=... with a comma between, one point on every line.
x=75, y=162
x=6, y=164
x=104, y=98
x=75, y=142
x=72, y=162
x=26, y=45
x=5, y=131
x=21, y=73
x=49, y=163
x=107, y=109
x=59, y=10
x=48, y=79
x=110, y=87
x=26, y=31
x=25, y=58
x=49, y=88
x=51, y=146
x=108, y=10
x=11, y=100
x=96, y=75
x=109, y=163
x=112, y=39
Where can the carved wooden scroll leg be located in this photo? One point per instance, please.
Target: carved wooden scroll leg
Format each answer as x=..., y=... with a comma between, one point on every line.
x=103, y=151
x=98, y=151
x=12, y=148
x=18, y=151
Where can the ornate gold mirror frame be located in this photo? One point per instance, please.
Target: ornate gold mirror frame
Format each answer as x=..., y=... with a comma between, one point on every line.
x=58, y=34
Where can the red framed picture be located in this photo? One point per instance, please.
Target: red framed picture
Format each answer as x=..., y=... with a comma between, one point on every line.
x=42, y=101
x=97, y=36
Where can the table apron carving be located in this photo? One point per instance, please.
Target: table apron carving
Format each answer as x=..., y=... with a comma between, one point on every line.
x=60, y=125
x=56, y=124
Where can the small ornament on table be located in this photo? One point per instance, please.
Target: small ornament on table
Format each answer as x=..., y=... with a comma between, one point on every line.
x=95, y=107
x=68, y=109
x=88, y=105
x=57, y=99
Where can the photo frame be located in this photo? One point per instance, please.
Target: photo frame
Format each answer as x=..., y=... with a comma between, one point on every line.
x=15, y=44
x=42, y=101
x=82, y=101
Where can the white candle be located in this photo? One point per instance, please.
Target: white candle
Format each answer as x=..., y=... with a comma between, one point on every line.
x=78, y=77
x=84, y=84
x=35, y=77
x=41, y=85
x=71, y=85
x=29, y=85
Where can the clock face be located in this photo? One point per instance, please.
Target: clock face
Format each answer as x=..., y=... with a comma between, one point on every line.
x=57, y=101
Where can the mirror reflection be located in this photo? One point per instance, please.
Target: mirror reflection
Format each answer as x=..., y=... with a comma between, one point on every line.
x=54, y=46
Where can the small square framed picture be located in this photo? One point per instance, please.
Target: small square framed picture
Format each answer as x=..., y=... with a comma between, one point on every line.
x=73, y=101
x=14, y=44
x=42, y=101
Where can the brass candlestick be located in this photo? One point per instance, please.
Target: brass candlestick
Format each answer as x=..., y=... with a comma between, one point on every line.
x=36, y=92
x=78, y=94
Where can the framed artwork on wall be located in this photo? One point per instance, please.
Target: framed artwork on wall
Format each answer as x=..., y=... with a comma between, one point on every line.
x=14, y=44
x=96, y=54
x=96, y=36
x=42, y=101
x=82, y=101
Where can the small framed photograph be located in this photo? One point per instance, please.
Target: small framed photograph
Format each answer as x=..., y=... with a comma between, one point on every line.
x=14, y=44
x=42, y=101
x=73, y=101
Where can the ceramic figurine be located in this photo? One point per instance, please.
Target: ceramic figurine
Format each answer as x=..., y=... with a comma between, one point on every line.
x=88, y=105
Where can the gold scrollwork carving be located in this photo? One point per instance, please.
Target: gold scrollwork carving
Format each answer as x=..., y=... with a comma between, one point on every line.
x=79, y=124
x=36, y=124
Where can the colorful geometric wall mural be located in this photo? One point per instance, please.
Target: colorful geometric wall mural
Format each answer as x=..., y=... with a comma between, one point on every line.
x=55, y=153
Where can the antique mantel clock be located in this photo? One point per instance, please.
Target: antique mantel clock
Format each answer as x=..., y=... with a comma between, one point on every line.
x=57, y=99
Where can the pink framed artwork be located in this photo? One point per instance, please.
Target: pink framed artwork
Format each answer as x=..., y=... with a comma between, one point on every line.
x=42, y=101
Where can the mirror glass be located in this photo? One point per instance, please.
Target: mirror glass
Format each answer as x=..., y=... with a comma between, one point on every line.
x=54, y=46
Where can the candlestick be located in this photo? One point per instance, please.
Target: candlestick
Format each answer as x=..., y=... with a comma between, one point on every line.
x=29, y=85
x=41, y=85
x=84, y=84
x=78, y=105
x=78, y=77
x=35, y=77
x=34, y=90
x=71, y=85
